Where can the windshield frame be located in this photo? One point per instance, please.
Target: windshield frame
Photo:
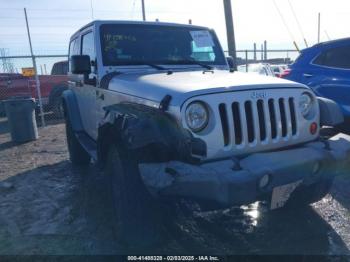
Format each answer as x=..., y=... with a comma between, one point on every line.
x=172, y=63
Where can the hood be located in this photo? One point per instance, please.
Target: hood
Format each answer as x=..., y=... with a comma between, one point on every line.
x=184, y=85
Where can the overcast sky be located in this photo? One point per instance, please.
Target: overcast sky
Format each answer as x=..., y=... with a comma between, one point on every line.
x=52, y=22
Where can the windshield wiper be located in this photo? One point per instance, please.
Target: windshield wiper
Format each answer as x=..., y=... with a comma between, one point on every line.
x=158, y=67
x=194, y=62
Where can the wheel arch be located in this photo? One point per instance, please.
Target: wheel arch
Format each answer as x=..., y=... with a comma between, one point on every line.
x=71, y=110
x=57, y=89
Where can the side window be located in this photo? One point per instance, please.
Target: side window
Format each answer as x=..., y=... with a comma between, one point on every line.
x=337, y=57
x=320, y=59
x=56, y=69
x=73, y=49
x=88, y=47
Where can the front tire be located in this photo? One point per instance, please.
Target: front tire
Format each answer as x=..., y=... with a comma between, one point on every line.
x=137, y=216
x=77, y=154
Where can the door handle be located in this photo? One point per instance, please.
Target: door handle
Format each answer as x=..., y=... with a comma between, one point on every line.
x=307, y=75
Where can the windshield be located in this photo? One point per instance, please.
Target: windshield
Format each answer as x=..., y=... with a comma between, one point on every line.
x=126, y=44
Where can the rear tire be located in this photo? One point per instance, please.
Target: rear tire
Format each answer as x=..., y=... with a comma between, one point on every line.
x=55, y=99
x=77, y=154
x=137, y=215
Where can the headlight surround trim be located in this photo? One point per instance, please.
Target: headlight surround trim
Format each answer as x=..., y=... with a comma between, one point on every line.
x=202, y=105
x=306, y=106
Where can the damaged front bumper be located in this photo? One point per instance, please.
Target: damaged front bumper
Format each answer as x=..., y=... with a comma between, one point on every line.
x=232, y=182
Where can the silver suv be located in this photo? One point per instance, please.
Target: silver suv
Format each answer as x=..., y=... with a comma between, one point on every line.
x=158, y=108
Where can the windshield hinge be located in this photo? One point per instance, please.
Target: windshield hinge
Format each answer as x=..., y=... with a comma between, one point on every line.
x=164, y=104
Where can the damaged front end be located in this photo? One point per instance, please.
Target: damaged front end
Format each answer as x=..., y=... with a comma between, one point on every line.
x=171, y=159
x=151, y=134
x=237, y=182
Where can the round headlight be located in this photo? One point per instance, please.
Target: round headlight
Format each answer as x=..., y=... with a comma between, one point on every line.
x=197, y=116
x=305, y=104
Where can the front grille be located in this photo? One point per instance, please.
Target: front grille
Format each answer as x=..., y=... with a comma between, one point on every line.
x=253, y=122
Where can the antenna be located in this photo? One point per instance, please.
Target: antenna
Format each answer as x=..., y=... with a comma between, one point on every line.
x=298, y=23
x=92, y=10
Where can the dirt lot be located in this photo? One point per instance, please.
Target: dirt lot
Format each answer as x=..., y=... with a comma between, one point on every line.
x=49, y=207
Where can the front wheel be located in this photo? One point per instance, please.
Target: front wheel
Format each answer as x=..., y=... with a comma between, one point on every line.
x=77, y=154
x=137, y=215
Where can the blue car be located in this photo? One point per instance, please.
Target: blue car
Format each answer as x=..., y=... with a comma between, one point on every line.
x=325, y=68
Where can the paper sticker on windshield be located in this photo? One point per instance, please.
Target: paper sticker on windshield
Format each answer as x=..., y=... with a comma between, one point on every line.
x=202, y=38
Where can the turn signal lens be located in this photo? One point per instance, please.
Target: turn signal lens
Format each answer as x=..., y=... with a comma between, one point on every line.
x=313, y=128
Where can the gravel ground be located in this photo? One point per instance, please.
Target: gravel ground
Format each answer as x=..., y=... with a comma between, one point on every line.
x=49, y=207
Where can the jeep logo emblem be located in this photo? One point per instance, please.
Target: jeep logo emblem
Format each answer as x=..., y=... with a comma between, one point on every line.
x=258, y=95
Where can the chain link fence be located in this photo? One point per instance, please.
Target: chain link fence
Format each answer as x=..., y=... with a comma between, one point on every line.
x=269, y=56
x=17, y=79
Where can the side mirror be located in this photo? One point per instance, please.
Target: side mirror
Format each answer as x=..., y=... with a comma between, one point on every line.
x=80, y=64
x=230, y=62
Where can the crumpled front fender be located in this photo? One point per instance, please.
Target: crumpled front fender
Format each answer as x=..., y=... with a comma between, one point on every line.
x=151, y=133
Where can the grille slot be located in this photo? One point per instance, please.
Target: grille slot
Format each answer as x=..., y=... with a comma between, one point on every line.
x=259, y=121
x=292, y=115
x=261, y=116
x=250, y=121
x=283, y=117
x=224, y=123
x=272, y=118
x=237, y=123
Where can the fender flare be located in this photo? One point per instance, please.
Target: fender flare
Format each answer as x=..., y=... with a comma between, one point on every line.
x=152, y=134
x=71, y=110
x=330, y=112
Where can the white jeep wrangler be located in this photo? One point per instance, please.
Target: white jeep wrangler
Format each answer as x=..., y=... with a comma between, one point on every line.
x=157, y=106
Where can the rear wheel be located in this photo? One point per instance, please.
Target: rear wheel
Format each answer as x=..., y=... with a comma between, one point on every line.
x=77, y=154
x=137, y=215
x=55, y=99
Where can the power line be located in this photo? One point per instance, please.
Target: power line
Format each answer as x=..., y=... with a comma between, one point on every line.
x=297, y=20
x=285, y=24
x=133, y=9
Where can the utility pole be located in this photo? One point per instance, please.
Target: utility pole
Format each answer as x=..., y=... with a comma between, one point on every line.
x=143, y=10
x=35, y=71
x=319, y=28
x=230, y=32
